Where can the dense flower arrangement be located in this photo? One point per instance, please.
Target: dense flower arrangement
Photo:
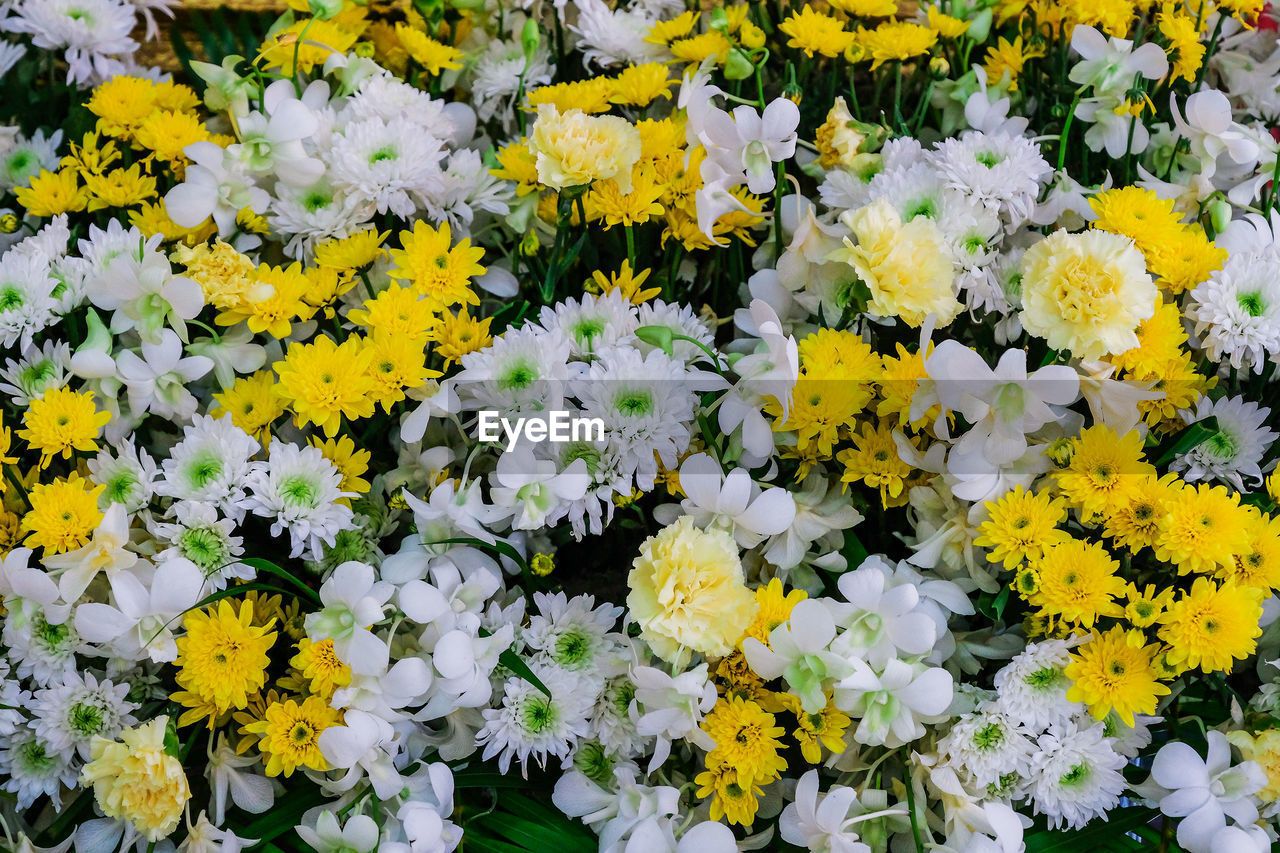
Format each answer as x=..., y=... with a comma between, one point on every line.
x=641, y=426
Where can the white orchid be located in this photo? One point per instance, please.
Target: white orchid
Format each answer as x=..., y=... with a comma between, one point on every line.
x=106, y=552
x=730, y=502
x=352, y=600
x=799, y=652
x=142, y=621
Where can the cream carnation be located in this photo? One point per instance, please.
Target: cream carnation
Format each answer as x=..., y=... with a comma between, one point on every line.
x=573, y=148
x=1086, y=292
x=906, y=265
x=134, y=779
x=687, y=592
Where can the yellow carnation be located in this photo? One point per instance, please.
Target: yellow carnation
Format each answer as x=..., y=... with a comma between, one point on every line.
x=573, y=149
x=906, y=265
x=134, y=779
x=687, y=592
x=1263, y=748
x=1086, y=292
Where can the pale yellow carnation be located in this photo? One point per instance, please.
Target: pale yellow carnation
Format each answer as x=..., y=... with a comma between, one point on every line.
x=134, y=779
x=687, y=592
x=907, y=266
x=1264, y=748
x=572, y=149
x=1086, y=292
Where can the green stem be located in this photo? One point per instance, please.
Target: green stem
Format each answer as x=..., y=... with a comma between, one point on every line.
x=1066, y=130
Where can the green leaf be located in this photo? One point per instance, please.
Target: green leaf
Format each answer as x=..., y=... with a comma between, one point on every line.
x=1115, y=835
x=272, y=569
x=1190, y=437
x=516, y=664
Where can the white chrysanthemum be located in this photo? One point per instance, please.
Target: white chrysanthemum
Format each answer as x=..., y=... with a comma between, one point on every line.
x=198, y=535
x=1237, y=311
x=27, y=378
x=681, y=320
x=127, y=472
x=614, y=37
x=23, y=158
x=522, y=372
x=309, y=215
x=210, y=464
x=501, y=73
x=531, y=724
x=989, y=747
x=387, y=164
x=299, y=489
x=12, y=700
x=69, y=715
x=1002, y=172
x=1075, y=776
x=1233, y=454
x=467, y=186
x=594, y=509
x=1125, y=739
x=646, y=403
x=385, y=96
x=611, y=721
x=91, y=32
x=916, y=190
x=10, y=54
x=592, y=324
x=33, y=768
x=1033, y=686
x=27, y=301
x=572, y=633
x=845, y=190
x=43, y=651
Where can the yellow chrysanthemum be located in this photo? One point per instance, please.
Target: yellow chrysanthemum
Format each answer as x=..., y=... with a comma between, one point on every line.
x=122, y=104
x=350, y=461
x=1136, y=213
x=874, y=461
x=1146, y=606
x=774, y=606
x=747, y=738
x=439, y=270
x=867, y=8
x=813, y=32
x=1078, y=582
x=453, y=335
x=63, y=514
x=355, y=251
x=895, y=41
x=593, y=95
x=60, y=421
x=167, y=133
x=325, y=382
x=700, y=48
x=1212, y=626
x=1114, y=671
x=735, y=796
x=396, y=363
x=306, y=43
x=626, y=281
x=432, y=55
x=272, y=309
x=320, y=667
x=222, y=659
x=1007, y=58
x=1204, y=528
x=53, y=193
x=1019, y=526
x=606, y=201
x=1258, y=564
x=1103, y=471
x=1135, y=522
x=945, y=25
x=119, y=188
x=641, y=85
x=813, y=732
x=253, y=403
x=664, y=32
x=289, y=734
x=1161, y=337
x=398, y=310
x=1187, y=259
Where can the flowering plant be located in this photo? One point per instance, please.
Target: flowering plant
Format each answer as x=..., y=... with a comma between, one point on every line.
x=639, y=426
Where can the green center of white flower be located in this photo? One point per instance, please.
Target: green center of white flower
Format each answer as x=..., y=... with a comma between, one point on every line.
x=537, y=714
x=300, y=491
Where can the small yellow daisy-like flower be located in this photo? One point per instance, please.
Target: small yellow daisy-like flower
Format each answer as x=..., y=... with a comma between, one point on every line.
x=700, y=48
x=455, y=335
x=1204, y=528
x=895, y=41
x=874, y=461
x=626, y=281
x=91, y=155
x=606, y=200
x=397, y=363
x=1019, y=525
x=167, y=133
x=60, y=421
x=747, y=738
x=1103, y=471
x=898, y=385
x=432, y=55
x=63, y=514
x=122, y=104
x=735, y=795
x=1078, y=582
x=253, y=403
x=1135, y=524
x=814, y=32
x=440, y=271
x=350, y=461
x=661, y=138
x=355, y=251
x=641, y=85
x=119, y=188
x=1212, y=626
x=289, y=734
x=664, y=32
x=320, y=40
x=222, y=658
x=815, y=731
x=324, y=382
x=593, y=95
x=1182, y=384
x=1146, y=605
x=272, y=309
x=775, y=606
x=399, y=310
x=1007, y=58
x=1115, y=671
x=319, y=664
x=946, y=26
x=52, y=193
x=867, y=8
x=1258, y=565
